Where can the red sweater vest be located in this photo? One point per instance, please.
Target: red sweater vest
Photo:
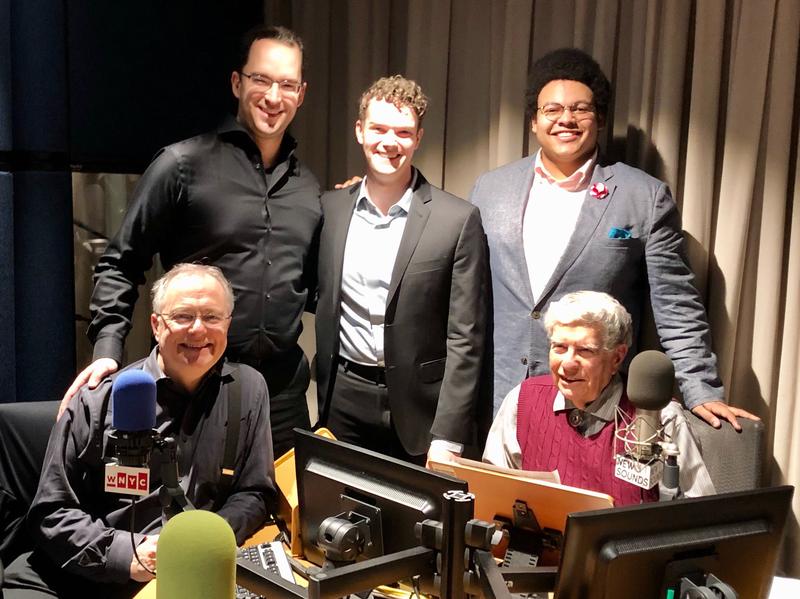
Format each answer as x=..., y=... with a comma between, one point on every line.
x=549, y=443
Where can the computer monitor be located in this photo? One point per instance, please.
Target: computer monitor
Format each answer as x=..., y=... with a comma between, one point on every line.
x=336, y=478
x=645, y=550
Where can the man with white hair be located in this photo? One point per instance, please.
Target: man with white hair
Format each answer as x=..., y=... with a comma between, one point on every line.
x=565, y=420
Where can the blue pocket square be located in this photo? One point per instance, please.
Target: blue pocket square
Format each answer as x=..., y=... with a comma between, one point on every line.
x=619, y=233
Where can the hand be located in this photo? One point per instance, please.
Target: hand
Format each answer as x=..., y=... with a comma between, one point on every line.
x=348, y=183
x=147, y=555
x=710, y=410
x=91, y=375
x=439, y=455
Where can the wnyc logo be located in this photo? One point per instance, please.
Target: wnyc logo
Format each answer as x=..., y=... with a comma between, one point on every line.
x=127, y=480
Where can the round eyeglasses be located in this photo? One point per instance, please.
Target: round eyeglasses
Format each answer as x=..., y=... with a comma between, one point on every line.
x=553, y=111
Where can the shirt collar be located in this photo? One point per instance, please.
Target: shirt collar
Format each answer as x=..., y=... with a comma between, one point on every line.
x=231, y=128
x=403, y=205
x=222, y=368
x=577, y=181
x=599, y=412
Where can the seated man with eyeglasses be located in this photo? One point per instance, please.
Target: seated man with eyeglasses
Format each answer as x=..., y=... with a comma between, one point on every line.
x=84, y=546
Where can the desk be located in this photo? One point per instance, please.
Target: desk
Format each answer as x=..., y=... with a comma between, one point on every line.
x=265, y=535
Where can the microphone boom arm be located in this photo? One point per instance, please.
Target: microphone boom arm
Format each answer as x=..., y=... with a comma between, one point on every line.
x=171, y=495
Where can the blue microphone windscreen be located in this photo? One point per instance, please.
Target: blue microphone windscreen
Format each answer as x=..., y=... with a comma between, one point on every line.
x=133, y=401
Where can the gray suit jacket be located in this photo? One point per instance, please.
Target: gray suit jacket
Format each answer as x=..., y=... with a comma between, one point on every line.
x=649, y=266
x=436, y=314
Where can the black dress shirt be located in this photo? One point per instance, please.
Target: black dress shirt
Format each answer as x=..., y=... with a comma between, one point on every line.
x=85, y=530
x=210, y=199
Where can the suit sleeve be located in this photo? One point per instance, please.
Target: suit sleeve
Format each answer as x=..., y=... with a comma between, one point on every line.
x=466, y=334
x=129, y=255
x=678, y=311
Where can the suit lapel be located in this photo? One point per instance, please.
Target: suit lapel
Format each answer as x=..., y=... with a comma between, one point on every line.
x=340, y=216
x=418, y=214
x=520, y=198
x=591, y=213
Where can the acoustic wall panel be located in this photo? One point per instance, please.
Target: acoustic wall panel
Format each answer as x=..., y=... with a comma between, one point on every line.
x=7, y=350
x=146, y=73
x=44, y=285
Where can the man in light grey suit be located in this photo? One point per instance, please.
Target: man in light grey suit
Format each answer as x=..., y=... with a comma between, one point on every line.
x=403, y=295
x=562, y=221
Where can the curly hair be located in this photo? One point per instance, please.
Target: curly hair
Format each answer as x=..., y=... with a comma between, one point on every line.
x=399, y=91
x=574, y=65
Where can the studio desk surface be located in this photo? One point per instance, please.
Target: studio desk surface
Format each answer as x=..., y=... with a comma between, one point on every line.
x=483, y=483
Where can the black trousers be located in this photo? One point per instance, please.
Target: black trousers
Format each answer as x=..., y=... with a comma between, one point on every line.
x=33, y=576
x=359, y=414
x=287, y=376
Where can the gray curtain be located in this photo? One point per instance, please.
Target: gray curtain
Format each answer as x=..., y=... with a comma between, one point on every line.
x=706, y=98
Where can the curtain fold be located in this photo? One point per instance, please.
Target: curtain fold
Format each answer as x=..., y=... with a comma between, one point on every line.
x=706, y=98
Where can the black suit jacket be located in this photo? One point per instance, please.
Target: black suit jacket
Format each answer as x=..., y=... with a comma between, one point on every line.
x=436, y=314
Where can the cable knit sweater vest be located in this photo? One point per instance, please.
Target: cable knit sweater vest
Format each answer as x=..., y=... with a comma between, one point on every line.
x=549, y=443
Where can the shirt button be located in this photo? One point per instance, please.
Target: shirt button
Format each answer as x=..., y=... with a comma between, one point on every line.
x=258, y=166
x=269, y=296
x=269, y=262
x=536, y=315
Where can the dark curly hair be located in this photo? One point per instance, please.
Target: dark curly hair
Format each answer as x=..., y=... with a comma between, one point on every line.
x=574, y=65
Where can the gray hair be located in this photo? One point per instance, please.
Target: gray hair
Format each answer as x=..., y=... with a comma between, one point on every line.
x=595, y=309
x=160, y=287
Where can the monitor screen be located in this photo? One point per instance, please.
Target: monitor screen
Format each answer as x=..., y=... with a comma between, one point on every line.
x=383, y=495
x=645, y=550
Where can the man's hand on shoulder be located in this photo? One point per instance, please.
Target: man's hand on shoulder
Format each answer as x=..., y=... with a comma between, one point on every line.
x=91, y=375
x=712, y=411
x=348, y=183
x=147, y=555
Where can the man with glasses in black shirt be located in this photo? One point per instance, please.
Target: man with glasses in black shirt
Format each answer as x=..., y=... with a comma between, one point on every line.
x=237, y=198
x=93, y=542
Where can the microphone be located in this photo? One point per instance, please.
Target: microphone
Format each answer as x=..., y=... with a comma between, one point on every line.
x=133, y=417
x=651, y=378
x=196, y=557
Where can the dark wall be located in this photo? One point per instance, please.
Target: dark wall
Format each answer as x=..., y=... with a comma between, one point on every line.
x=146, y=73
x=98, y=86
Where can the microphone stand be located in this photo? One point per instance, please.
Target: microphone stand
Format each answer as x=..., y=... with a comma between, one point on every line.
x=171, y=495
x=671, y=477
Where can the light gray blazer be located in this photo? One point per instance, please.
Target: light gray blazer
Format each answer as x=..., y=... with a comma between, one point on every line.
x=648, y=266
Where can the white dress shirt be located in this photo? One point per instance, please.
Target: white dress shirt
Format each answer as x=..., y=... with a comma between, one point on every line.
x=373, y=240
x=551, y=214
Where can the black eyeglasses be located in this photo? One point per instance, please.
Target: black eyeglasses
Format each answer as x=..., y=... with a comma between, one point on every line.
x=286, y=87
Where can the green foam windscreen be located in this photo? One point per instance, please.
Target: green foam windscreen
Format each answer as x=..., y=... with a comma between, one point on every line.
x=196, y=557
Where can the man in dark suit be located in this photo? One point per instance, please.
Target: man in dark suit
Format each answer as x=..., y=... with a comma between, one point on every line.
x=403, y=286
x=562, y=220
